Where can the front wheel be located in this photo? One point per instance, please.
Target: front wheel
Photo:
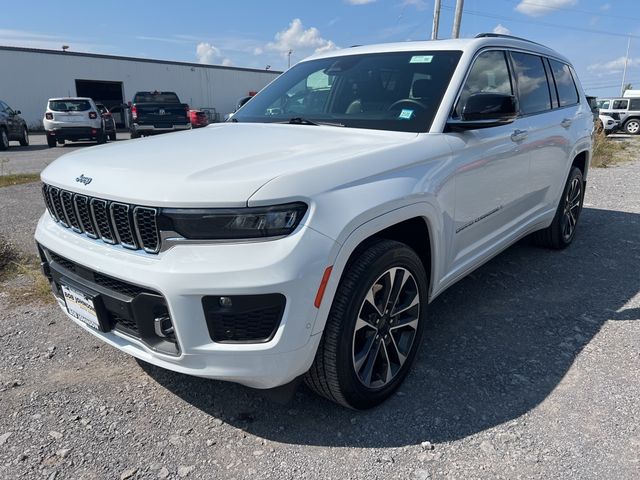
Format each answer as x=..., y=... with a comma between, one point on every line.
x=562, y=230
x=374, y=327
x=24, y=140
x=632, y=127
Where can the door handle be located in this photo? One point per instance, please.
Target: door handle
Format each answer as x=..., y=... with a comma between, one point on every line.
x=519, y=135
x=566, y=123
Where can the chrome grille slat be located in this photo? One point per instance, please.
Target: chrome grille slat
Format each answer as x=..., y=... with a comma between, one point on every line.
x=131, y=226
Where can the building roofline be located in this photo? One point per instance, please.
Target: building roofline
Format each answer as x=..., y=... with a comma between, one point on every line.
x=134, y=59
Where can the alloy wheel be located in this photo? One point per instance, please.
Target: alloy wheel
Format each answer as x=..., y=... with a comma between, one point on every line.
x=571, y=208
x=633, y=126
x=386, y=326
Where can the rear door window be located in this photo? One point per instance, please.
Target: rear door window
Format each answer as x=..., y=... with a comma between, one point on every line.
x=634, y=104
x=533, y=87
x=566, y=87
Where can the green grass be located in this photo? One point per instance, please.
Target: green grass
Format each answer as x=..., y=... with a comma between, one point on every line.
x=18, y=178
x=35, y=287
x=607, y=151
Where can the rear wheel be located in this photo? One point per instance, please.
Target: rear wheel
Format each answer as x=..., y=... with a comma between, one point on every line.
x=134, y=134
x=60, y=141
x=51, y=141
x=113, y=136
x=102, y=137
x=374, y=327
x=560, y=233
x=24, y=140
x=4, y=139
x=632, y=126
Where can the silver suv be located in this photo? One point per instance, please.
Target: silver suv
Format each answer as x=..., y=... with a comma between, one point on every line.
x=625, y=110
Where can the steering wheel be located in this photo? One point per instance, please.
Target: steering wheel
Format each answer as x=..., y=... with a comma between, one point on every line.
x=410, y=101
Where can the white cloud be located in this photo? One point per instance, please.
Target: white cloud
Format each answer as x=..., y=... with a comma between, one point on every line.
x=359, y=2
x=300, y=40
x=24, y=38
x=605, y=7
x=537, y=8
x=613, y=66
x=206, y=52
x=501, y=29
x=419, y=4
x=227, y=62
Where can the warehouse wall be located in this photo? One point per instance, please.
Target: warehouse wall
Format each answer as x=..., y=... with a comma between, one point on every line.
x=29, y=78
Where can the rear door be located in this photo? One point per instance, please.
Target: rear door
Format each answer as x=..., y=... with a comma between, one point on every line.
x=491, y=169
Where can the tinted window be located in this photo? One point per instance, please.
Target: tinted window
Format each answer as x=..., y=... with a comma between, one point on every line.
x=533, y=88
x=620, y=104
x=634, y=104
x=155, y=97
x=398, y=91
x=489, y=73
x=69, y=105
x=567, y=91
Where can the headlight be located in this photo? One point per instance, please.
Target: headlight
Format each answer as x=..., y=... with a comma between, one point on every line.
x=232, y=223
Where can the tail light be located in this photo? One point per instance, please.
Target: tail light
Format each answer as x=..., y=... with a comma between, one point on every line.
x=93, y=115
x=48, y=116
x=134, y=112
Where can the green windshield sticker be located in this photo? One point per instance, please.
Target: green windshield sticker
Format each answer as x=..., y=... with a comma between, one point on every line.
x=421, y=59
x=406, y=114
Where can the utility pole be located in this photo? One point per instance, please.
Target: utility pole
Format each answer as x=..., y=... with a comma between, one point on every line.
x=436, y=20
x=624, y=72
x=455, y=33
x=289, y=56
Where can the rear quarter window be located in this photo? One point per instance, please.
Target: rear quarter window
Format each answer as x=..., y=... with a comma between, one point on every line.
x=634, y=104
x=566, y=87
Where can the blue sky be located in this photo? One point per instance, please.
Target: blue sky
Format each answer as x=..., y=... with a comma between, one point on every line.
x=256, y=33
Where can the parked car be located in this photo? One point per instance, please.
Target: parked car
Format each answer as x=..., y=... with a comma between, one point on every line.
x=12, y=127
x=624, y=110
x=608, y=124
x=109, y=122
x=74, y=119
x=307, y=243
x=198, y=118
x=157, y=112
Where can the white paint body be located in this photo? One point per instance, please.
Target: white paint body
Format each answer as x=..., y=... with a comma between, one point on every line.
x=356, y=183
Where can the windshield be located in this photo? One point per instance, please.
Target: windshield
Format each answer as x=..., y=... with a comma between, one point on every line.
x=69, y=105
x=398, y=91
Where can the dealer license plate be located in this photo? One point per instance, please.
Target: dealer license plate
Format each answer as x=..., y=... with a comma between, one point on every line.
x=81, y=306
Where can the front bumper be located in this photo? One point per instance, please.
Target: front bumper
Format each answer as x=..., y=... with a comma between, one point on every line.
x=182, y=276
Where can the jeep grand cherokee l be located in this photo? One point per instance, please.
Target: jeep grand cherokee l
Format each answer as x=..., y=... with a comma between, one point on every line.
x=305, y=237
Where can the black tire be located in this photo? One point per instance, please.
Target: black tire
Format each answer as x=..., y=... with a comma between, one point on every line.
x=556, y=236
x=60, y=141
x=333, y=374
x=51, y=141
x=102, y=137
x=632, y=126
x=4, y=139
x=113, y=136
x=24, y=140
x=134, y=134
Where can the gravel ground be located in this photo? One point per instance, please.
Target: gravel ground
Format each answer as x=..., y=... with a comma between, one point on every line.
x=35, y=157
x=529, y=369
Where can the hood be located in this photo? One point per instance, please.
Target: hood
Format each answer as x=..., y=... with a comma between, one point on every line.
x=218, y=166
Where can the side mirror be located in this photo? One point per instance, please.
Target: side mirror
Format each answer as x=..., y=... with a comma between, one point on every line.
x=484, y=110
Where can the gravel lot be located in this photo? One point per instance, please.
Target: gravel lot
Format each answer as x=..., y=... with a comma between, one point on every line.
x=530, y=368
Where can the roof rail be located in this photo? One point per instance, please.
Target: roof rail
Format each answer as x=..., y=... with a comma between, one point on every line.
x=512, y=37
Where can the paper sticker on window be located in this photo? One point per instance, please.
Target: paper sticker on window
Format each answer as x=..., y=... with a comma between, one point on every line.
x=406, y=114
x=421, y=59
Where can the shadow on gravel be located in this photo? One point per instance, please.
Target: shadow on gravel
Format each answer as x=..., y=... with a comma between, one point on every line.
x=497, y=345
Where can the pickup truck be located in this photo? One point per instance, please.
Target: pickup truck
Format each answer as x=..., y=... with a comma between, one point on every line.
x=157, y=112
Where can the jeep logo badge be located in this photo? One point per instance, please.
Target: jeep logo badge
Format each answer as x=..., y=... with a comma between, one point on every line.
x=83, y=179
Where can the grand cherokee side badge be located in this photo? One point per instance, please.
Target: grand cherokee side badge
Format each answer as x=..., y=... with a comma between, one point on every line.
x=83, y=179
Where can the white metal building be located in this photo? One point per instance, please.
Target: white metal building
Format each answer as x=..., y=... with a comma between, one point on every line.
x=31, y=76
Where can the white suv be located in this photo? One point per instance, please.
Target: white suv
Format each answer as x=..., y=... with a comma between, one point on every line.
x=73, y=118
x=305, y=238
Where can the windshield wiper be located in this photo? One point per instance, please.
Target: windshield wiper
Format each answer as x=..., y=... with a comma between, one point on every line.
x=306, y=121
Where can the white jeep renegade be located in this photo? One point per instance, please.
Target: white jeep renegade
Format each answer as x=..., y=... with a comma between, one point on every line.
x=305, y=237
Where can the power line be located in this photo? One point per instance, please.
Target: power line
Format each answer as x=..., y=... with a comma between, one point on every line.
x=545, y=24
x=574, y=10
